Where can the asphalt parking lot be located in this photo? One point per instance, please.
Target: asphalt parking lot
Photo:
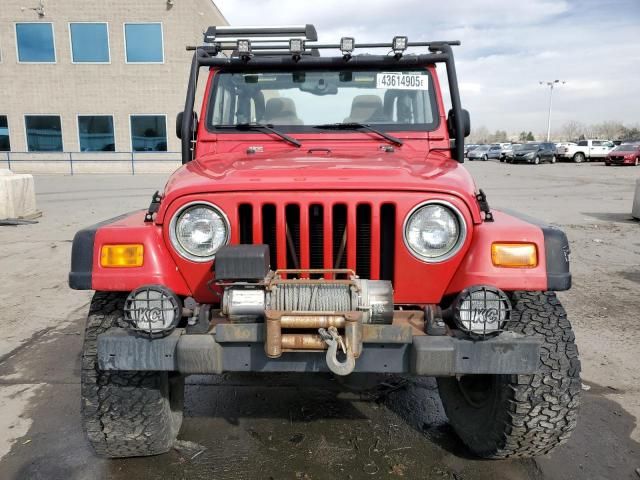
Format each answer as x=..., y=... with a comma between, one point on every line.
x=243, y=427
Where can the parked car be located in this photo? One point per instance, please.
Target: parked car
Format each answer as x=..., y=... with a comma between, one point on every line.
x=485, y=152
x=468, y=148
x=534, y=153
x=625, y=154
x=586, y=150
x=506, y=151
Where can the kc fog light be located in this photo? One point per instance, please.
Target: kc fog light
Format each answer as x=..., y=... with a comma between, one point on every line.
x=481, y=310
x=153, y=309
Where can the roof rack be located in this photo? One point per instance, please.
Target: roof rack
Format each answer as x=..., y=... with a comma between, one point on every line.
x=276, y=40
x=296, y=47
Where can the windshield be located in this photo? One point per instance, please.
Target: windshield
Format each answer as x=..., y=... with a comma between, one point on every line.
x=300, y=100
x=627, y=148
x=528, y=146
x=482, y=148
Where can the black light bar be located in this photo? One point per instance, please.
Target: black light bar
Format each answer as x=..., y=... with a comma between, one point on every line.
x=215, y=34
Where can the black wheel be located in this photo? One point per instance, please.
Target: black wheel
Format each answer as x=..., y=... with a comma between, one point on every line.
x=125, y=414
x=553, y=159
x=485, y=158
x=536, y=161
x=579, y=157
x=500, y=416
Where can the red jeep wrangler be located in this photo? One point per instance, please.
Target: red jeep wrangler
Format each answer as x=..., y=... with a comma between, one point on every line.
x=322, y=222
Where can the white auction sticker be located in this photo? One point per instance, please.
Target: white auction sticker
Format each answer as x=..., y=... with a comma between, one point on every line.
x=402, y=81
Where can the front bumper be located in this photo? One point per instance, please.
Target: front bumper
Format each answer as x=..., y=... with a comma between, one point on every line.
x=386, y=349
x=620, y=161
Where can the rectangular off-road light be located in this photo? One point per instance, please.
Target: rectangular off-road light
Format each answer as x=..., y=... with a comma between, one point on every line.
x=515, y=255
x=346, y=45
x=296, y=46
x=244, y=47
x=399, y=44
x=122, y=256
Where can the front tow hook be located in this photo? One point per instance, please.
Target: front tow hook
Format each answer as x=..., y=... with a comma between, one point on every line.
x=332, y=339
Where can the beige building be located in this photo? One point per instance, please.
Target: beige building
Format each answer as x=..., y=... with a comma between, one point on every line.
x=96, y=76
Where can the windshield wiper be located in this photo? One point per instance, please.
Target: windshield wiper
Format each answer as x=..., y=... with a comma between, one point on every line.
x=357, y=126
x=262, y=126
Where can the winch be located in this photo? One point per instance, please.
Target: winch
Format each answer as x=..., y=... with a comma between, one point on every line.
x=303, y=309
x=246, y=302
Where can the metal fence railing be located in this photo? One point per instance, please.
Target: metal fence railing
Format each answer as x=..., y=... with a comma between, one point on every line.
x=72, y=163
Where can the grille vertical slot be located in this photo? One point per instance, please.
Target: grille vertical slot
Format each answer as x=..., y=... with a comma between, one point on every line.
x=292, y=217
x=245, y=223
x=339, y=239
x=316, y=237
x=269, y=232
x=363, y=241
x=387, y=240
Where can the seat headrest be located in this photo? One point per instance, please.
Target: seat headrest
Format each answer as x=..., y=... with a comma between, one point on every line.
x=280, y=109
x=364, y=108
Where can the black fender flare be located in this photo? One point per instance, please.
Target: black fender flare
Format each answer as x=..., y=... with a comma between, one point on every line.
x=82, y=254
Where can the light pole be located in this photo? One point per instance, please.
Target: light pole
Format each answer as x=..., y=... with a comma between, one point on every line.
x=550, y=85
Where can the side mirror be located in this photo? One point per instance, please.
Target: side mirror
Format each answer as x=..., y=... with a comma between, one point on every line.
x=466, y=123
x=193, y=126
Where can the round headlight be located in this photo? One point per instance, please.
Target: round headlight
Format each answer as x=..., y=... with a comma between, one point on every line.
x=434, y=231
x=198, y=231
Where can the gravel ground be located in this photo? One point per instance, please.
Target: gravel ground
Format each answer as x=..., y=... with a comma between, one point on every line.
x=289, y=427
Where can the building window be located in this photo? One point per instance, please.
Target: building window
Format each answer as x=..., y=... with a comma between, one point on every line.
x=143, y=42
x=44, y=133
x=89, y=42
x=5, y=146
x=35, y=43
x=149, y=133
x=96, y=133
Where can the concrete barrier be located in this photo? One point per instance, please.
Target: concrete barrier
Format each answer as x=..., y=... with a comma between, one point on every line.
x=17, y=195
x=635, y=210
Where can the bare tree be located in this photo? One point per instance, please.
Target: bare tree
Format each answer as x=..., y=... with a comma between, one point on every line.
x=572, y=129
x=610, y=130
x=479, y=135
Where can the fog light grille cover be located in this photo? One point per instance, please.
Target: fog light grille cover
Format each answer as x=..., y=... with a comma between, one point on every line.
x=152, y=309
x=482, y=310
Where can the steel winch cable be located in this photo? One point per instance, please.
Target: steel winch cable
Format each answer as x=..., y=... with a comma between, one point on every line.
x=312, y=298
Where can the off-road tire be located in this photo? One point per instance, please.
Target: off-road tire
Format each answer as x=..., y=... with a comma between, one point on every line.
x=523, y=415
x=125, y=414
x=579, y=157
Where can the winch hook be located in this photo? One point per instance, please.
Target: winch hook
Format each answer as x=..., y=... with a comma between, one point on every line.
x=332, y=339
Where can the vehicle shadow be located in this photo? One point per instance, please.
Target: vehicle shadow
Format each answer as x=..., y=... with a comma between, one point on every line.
x=615, y=217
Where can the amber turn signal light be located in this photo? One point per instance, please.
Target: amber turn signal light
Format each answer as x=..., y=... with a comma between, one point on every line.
x=123, y=256
x=520, y=255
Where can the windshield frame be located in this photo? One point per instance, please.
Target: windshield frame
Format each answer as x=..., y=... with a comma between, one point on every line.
x=433, y=95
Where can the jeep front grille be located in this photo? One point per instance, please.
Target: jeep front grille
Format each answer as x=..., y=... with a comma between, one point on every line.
x=359, y=236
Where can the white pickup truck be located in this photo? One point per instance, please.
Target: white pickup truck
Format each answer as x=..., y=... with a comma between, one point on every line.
x=585, y=150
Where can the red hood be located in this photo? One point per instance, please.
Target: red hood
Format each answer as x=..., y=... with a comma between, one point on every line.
x=295, y=171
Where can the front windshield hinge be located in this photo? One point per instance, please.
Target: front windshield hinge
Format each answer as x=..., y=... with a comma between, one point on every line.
x=481, y=197
x=153, y=207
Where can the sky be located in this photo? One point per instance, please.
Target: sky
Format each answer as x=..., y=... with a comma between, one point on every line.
x=508, y=46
